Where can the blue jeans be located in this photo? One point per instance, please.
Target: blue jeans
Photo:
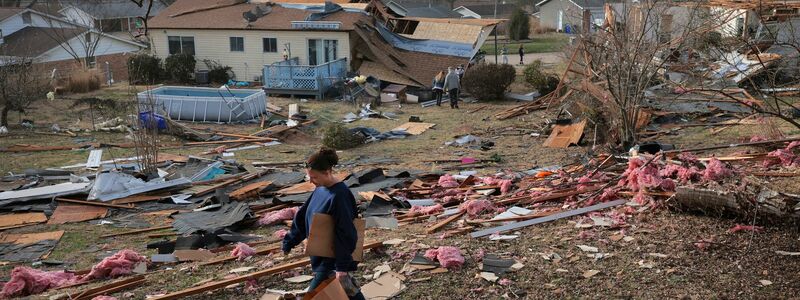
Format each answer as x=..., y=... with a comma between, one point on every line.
x=320, y=277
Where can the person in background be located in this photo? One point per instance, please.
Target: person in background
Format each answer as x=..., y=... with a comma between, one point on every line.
x=521, y=54
x=331, y=197
x=504, y=52
x=438, y=87
x=460, y=72
x=452, y=84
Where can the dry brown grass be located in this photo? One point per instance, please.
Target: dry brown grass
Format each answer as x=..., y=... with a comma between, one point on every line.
x=84, y=81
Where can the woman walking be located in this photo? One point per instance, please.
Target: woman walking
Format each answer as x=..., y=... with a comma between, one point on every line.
x=438, y=87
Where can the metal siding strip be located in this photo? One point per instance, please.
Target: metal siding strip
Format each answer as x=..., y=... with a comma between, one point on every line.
x=549, y=218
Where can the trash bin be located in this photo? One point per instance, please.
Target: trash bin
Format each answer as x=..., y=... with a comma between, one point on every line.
x=201, y=77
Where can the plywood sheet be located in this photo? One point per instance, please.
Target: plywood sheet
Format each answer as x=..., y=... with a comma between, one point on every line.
x=459, y=33
x=72, y=213
x=565, y=135
x=16, y=220
x=415, y=128
x=383, y=73
x=321, y=237
x=29, y=238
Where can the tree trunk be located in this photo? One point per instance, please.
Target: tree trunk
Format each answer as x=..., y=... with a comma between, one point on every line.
x=766, y=203
x=4, y=116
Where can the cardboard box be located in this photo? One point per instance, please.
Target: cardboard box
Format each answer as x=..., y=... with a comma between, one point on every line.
x=321, y=237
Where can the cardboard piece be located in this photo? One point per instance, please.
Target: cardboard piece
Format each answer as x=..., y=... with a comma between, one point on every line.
x=17, y=220
x=330, y=289
x=193, y=255
x=386, y=286
x=73, y=213
x=321, y=237
x=28, y=238
x=565, y=135
x=414, y=128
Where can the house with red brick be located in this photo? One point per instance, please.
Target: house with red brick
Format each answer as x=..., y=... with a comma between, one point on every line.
x=61, y=45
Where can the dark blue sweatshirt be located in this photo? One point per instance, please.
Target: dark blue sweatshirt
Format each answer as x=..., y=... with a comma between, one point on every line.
x=338, y=202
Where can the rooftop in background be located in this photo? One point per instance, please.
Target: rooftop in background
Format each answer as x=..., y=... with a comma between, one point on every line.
x=581, y=3
x=113, y=9
x=228, y=14
x=6, y=12
x=423, y=10
x=34, y=41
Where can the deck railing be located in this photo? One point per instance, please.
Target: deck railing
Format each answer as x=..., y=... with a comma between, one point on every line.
x=292, y=77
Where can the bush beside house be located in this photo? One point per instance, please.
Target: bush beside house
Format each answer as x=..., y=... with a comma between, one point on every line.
x=489, y=81
x=180, y=67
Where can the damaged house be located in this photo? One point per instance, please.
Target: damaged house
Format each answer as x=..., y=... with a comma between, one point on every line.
x=322, y=42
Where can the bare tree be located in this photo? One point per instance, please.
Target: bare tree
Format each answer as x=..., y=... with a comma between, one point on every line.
x=21, y=84
x=618, y=61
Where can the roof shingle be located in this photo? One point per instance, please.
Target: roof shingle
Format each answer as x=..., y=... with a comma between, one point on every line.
x=34, y=41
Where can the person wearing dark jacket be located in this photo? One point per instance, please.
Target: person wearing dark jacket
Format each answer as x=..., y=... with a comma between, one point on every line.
x=521, y=54
x=331, y=197
x=438, y=87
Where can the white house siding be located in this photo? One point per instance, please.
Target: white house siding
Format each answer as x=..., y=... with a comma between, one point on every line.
x=105, y=46
x=15, y=23
x=215, y=45
x=549, y=12
x=78, y=16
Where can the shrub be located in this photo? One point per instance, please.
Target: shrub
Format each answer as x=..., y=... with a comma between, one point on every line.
x=541, y=81
x=144, y=69
x=519, y=27
x=179, y=67
x=489, y=81
x=338, y=137
x=217, y=73
x=84, y=80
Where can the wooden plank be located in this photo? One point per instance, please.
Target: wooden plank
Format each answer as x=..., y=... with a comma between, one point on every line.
x=549, y=218
x=249, y=191
x=137, y=231
x=95, y=203
x=414, y=128
x=110, y=287
x=444, y=222
x=14, y=220
x=260, y=139
x=73, y=213
x=565, y=135
x=137, y=199
x=226, y=282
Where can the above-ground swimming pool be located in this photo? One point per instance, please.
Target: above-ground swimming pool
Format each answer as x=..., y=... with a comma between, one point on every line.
x=198, y=104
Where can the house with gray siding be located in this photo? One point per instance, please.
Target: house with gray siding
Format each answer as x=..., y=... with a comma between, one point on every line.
x=567, y=15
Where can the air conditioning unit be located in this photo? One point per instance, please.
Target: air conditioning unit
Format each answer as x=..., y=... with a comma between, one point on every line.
x=257, y=78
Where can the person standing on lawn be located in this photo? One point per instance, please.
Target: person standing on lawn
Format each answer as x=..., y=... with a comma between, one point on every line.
x=331, y=197
x=452, y=84
x=438, y=87
x=521, y=54
x=504, y=51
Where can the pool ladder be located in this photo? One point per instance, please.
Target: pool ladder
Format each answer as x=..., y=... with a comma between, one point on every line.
x=234, y=105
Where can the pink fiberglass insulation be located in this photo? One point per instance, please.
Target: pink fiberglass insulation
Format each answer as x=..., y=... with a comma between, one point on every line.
x=278, y=216
x=688, y=157
x=242, y=251
x=477, y=207
x=757, y=138
x=448, y=256
x=280, y=233
x=447, y=181
x=716, y=170
x=426, y=210
x=740, y=227
x=638, y=177
x=121, y=263
x=104, y=298
x=505, y=186
x=27, y=281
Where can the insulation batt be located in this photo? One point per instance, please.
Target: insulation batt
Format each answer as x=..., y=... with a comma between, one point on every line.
x=121, y=263
x=448, y=256
x=426, y=210
x=280, y=233
x=505, y=186
x=242, y=251
x=786, y=156
x=477, y=207
x=447, y=181
x=278, y=216
x=27, y=281
x=716, y=170
x=740, y=227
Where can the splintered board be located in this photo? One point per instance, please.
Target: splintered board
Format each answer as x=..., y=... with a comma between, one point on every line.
x=414, y=128
x=565, y=135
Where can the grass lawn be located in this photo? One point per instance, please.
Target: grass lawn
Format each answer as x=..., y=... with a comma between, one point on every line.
x=549, y=42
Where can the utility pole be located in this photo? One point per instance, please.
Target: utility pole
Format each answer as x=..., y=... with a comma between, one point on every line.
x=495, y=32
